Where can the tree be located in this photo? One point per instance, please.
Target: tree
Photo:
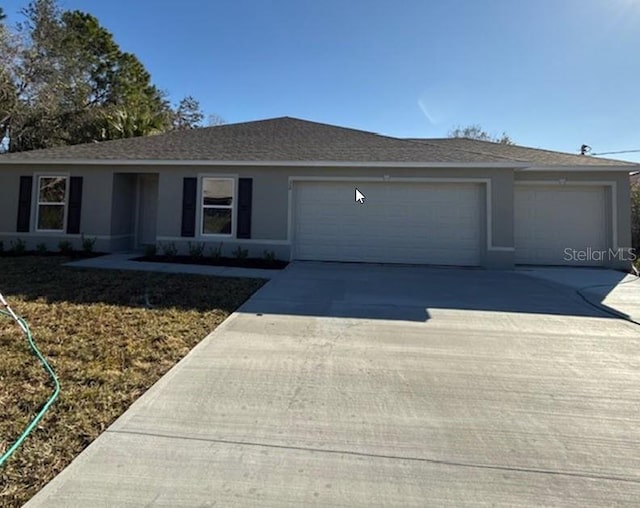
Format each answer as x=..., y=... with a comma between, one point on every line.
x=34, y=72
x=188, y=114
x=214, y=120
x=69, y=82
x=64, y=80
x=476, y=132
x=11, y=51
x=119, y=123
x=7, y=89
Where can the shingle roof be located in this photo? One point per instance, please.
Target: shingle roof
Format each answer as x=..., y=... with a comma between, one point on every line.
x=520, y=153
x=635, y=179
x=291, y=139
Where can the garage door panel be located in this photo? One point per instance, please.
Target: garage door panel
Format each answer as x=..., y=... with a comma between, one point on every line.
x=551, y=219
x=398, y=223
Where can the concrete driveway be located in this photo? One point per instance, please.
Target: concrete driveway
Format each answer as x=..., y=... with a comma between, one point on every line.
x=352, y=385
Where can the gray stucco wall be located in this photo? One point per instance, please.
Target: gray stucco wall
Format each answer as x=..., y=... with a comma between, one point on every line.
x=170, y=200
x=109, y=202
x=96, y=200
x=270, y=219
x=96, y=205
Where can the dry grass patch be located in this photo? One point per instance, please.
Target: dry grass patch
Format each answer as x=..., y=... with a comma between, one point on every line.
x=105, y=345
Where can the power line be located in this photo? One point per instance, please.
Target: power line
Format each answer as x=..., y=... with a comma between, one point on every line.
x=619, y=151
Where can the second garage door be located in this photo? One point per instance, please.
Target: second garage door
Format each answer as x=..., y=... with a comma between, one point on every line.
x=551, y=222
x=430, y=223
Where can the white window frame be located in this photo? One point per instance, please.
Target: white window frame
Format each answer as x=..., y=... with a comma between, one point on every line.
x=232, y=207
x=64, y=204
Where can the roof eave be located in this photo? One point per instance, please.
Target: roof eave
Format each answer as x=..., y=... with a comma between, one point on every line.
x=276, y=163
x=517, y=166
x=590, y=167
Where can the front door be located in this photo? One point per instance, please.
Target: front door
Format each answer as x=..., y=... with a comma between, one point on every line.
x=147, y=209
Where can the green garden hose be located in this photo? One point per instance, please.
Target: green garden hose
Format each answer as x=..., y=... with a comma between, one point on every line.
x=25, y=328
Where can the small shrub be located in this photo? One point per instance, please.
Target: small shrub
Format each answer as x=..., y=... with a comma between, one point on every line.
x=196, y=250
x=150, y=250
x=169, y=249
x=87, y=244
x=216, y=252
x=41, y=248
x=240, y=253
x=269, y=256
x=18, y=246
x=66, y=247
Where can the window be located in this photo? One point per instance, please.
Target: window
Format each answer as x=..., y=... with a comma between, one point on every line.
x=217, y=206
x=52, y=200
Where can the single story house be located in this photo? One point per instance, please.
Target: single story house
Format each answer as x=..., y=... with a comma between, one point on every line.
x=287, y=186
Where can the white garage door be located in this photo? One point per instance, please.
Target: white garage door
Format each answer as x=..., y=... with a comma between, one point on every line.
x=430, y=223
x=551, y=222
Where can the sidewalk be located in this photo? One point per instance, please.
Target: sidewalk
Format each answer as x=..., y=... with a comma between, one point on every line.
x=123, y=261
x=609, y=289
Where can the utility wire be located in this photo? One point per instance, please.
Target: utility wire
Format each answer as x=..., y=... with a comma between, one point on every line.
x=620, y=151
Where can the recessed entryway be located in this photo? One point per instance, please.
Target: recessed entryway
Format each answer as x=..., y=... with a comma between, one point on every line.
x=147, y=209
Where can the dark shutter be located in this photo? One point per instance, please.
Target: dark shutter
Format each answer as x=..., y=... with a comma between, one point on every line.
x=75, y=205
x=189, y=198
x=245, y=193
x=24, y=204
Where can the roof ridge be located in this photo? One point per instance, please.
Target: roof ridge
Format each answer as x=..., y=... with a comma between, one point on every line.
x=341, y=127
x=304, y=120
x=394, y=138
x=235, y=124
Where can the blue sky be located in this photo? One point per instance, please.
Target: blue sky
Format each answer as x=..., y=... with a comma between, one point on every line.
x=551, y=73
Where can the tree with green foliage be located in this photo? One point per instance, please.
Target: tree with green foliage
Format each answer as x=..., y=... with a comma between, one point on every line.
x=7, y=89
x=188, y=114
x=64, y=80
x=35, y=77
x=475, y=131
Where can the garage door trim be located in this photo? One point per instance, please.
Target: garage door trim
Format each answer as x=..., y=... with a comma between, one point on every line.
x=390, y=179
x=612, y=185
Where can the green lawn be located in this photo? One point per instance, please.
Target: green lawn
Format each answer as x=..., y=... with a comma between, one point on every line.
x=104, y=343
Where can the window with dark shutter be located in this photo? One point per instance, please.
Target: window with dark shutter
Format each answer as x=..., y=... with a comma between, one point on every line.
x=218, y=196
